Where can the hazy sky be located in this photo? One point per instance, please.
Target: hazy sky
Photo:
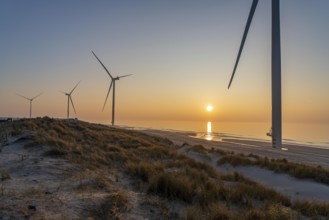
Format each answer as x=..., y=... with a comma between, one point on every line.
x=180, y=52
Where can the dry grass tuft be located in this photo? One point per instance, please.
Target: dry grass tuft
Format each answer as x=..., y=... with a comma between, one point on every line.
x=171, y=186
x=112, y=207
x=199, y=149
x=144, y=170
x=213, y=212
x=246, y=191
x=312, y=208
x=275, y=211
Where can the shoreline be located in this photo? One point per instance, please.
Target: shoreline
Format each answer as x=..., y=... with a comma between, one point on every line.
x=294, y=153
x=216, y=135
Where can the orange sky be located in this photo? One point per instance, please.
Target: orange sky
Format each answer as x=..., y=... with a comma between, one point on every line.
x=181, y=55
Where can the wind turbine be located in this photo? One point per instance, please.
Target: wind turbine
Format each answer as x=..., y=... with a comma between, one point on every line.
x=113, y=79
x=276, y=69
x=69, y=99
x=30, y=99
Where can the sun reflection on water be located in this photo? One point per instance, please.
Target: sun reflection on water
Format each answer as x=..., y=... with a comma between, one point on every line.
x=209, y=136
x=209, y=127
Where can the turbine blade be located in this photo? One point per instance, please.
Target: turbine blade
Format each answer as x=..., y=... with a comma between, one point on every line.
x=23, y=96
x=107, y=95
x=108, y=72
x=63, y=92
x=251, y=14
x=124, y=76
x=72, y=104
x=37, y=96
x=75, y=87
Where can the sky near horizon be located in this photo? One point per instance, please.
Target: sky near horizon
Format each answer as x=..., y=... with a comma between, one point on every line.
x=181, y=53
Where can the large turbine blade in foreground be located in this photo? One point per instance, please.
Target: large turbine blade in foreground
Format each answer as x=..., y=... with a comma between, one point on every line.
x=276, y=68
x=251, y=14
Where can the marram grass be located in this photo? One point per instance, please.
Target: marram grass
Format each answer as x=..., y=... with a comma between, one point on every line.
x=157, y=169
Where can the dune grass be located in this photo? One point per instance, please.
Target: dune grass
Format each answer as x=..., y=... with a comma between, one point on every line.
x=112, y=206
x=199, y=149
x=298, y=170
x=157, y=169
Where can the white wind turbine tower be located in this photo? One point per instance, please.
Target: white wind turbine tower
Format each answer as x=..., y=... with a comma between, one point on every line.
x=113, y=79
x=69, y=99
x=276, y=69
x=31, y=100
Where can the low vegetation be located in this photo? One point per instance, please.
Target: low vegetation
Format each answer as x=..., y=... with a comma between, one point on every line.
x=300, y=171
x=155, y=168
x=4, y=174
x=112, y=206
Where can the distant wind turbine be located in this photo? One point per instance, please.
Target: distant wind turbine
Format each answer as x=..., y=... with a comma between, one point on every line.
x=276, y=68
x=30, y=99
x=113, y=79
x=69, y=99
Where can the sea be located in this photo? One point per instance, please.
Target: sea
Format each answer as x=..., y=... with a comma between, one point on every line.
x=306, y=134
x=301, y=133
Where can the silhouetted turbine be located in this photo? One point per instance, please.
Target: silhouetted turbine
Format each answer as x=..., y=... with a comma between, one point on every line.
x=69, y=99
x=113, y=79
x=276, y=68
x=30, y=99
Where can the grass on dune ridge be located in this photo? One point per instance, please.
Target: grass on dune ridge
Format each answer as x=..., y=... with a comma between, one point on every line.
x=158, y=169
x=298, y=170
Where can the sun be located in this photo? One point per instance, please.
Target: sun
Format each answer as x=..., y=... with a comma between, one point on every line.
x=209, y=108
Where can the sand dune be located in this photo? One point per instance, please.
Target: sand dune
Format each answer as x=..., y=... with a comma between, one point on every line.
x=52, y=169
x=295, y=188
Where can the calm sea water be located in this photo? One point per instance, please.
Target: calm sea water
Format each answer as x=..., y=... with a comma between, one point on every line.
x=311, y=134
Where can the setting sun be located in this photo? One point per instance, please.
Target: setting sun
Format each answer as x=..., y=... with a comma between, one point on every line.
x=209, y=108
